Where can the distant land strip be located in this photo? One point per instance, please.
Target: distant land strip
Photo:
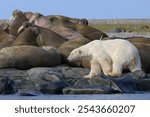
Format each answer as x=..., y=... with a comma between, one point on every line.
x=119, y=21
x=110, y=21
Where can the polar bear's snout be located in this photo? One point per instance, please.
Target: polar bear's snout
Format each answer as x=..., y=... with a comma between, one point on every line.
x=69, y=58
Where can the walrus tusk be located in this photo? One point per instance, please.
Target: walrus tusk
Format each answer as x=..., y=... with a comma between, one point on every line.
x=11, y=19
x=41, y=37
x=32, y=18
x=20, y=29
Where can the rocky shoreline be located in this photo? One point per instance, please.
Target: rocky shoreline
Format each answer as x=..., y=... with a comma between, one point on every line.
x=67, y=80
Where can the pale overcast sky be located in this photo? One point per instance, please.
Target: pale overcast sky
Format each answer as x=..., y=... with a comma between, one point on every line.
x=91, y=9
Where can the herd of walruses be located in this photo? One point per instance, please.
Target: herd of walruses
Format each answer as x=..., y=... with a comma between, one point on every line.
x=34, y=40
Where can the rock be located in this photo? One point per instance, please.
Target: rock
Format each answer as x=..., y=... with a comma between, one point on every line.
x=73, y=74
x=98, y=81
x=127, y=83
x=29, y=93
x=19, y=77
x=13, y=74
x=144, y=84
x=53, y=88
x=25, y=85
x=81, y=82
x=89, y=89
x=118, y=30
x=44, y=75
x=68, y=80
x=127, y=35
x=139, y=74
x=104, y=81
x=7, y=86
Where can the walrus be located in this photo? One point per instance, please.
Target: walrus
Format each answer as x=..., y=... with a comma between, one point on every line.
x=5, y=38
x=28, y=14
x=44, y=37
x=72, y=20
x=26, y=57
x=139, y=40
x=66, y=48
x=85, y=30
x=144, y=52
x=65, y=26
x=88, y=31
x=46, y=22
x=16, y=21
x=26, y=37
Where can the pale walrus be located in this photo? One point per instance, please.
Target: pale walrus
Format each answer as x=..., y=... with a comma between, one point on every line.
x=25, y=57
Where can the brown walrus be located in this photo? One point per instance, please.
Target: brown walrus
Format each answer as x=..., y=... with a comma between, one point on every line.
x=5, y=38
x=25, y=57
x=27, y=37
x=139, y=40
x=16, y=21
x=65, y=25
x=144, y=52
x=66, y=48
x=44, y=37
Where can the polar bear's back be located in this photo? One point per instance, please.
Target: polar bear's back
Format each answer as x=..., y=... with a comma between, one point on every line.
x=118, y=45
x=121, y=51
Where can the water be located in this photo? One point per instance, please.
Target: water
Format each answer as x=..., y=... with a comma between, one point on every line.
x=145, y=96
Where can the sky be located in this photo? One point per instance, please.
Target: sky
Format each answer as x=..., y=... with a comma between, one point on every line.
x=90, y=9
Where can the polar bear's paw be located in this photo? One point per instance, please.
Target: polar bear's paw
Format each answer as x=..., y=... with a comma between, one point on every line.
x=88, y=76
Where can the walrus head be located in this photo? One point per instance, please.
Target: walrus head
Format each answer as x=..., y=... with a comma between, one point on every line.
x=35, y=29
x=15, y=13
x=34, y=17
x=24, y=25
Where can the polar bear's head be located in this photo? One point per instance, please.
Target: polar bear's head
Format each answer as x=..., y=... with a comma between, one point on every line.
x=75, y=55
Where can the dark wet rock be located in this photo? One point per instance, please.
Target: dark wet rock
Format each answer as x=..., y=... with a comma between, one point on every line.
x=7, y=86
x=29, y=93
x=127, y=83
x=19, y=77
x=13, y=74
x=44, y=75
x=25, y=85
x=105, y=82
x=98, y=81
x=144, y=84
x=68, y=80
x=81, y=82
x=89, y=89
x=73, y=74
x=52, y=88
x=139, y=74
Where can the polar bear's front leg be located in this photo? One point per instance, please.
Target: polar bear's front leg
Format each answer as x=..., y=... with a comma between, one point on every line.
x=106, y=65
x=95, y=69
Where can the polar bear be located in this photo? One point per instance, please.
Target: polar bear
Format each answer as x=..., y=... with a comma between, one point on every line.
x=108, y=56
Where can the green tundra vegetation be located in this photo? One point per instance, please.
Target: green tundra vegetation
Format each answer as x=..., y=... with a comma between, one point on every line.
x=130, y=27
